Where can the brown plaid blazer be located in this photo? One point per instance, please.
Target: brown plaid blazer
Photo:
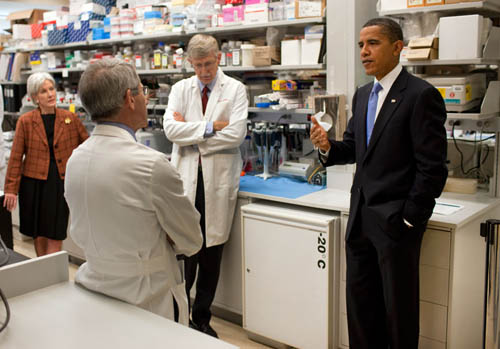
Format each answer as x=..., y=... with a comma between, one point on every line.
x=30, y=141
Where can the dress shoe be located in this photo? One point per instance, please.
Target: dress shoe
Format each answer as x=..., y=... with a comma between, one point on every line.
x=207, y=329
x=192, y=325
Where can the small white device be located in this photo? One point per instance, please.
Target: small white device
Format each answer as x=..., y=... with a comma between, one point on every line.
x=295, y=170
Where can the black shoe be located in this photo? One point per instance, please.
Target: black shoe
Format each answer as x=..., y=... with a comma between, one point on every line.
x=192, y=325
x=207, y=329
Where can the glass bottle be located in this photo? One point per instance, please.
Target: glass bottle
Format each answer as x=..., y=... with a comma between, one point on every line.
x=223, y=56
x=237, y=54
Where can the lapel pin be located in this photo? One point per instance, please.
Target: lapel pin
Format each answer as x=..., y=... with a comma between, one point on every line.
x=393, y=101
x=67, y=121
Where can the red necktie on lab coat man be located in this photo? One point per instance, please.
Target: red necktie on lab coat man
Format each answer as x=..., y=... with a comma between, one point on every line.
x=204, y=99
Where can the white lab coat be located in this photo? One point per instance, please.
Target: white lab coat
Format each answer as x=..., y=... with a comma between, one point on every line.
x=124, y=198
x=220, y=154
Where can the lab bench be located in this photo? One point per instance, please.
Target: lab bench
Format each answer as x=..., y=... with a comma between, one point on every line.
x=452, y=267
x=39, y=293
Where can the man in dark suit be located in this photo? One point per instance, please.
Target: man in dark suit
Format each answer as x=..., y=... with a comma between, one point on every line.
x=397, y=139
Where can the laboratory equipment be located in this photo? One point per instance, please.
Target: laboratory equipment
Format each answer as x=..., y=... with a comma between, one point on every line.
x=270, y=232
x=295, y=170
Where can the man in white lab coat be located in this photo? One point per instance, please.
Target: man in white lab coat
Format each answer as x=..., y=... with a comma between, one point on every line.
x=206, y=120
x=128, y=209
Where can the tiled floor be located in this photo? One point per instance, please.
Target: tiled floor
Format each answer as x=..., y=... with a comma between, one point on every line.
x=227, y=331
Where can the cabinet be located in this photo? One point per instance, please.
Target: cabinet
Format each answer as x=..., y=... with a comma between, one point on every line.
x=290, y=268
x=452, y=271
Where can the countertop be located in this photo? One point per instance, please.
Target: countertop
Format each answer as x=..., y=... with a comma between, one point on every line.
x=338, y=200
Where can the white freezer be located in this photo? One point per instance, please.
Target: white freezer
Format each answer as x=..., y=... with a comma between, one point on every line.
x=290, y=273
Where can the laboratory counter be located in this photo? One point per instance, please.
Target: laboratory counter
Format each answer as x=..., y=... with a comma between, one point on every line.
x=452, y=263
x=452, y=210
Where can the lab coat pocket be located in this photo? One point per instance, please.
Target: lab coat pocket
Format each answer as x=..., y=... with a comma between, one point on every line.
x=221, y=112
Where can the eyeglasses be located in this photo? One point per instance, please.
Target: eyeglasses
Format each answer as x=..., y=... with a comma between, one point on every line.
x=206, y=65
x=145, y=91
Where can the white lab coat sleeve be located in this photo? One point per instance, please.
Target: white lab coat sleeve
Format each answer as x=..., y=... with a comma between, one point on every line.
x=177, y=216
x=191, y=131
x=233, y=134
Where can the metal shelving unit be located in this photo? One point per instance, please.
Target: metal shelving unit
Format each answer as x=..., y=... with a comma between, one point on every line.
x=280, y=111
x=476, y=61
x=159, y=36
x=488, y=8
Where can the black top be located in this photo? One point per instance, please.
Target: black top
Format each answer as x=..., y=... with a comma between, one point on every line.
x=48, y=123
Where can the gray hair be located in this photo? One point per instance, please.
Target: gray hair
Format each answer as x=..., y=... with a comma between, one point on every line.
x=103, y=86
x=35, y=81
x=201, y=46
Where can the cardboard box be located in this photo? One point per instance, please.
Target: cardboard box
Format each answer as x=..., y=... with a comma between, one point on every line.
x=36, y=30
x=78, y=31
x=420, y=54
x=291, y=52
x=465, y=30
x=21, y=31
x=258, y=13
x=309, y=8
x=265, y=56
x=57, y=37
x=428, y=41
x=25, y=17
x=433, y=2
x=391, y=5
x=457, y=1
x=415, y=3
x=310, y=51
x=233, y=15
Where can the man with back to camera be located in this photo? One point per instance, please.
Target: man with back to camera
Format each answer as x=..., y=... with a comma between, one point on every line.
x=128, y=209
x=206, y=120
x=397, y=139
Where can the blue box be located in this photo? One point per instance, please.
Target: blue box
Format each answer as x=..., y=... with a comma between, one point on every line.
x=57, y=36
x=100, y=34
x=78, y=31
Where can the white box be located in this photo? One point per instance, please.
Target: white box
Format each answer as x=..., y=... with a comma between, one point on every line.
x=459, y=89
x=389, y=5
x=310, y=51
x=256, y=13
x=460, y=37
x=21, y=31
x=291, y=52
x=51, y=16
x=95, y=8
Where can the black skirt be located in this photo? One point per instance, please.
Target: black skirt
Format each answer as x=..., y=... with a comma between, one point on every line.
x=42, y=208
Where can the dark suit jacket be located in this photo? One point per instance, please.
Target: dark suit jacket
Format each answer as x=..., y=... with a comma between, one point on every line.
x=403, y=169
x=30, y=140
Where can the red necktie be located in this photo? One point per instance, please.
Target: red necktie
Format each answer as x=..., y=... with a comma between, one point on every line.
x=204, y=99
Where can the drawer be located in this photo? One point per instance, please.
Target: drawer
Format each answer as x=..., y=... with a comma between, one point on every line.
x=426, y=343
x=433, y=321
x=435, y=249
x=434, y=284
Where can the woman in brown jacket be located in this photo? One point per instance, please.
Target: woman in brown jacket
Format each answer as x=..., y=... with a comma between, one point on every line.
x=46, y=138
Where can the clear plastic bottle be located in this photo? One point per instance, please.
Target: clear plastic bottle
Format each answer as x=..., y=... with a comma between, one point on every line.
x=237, y=54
